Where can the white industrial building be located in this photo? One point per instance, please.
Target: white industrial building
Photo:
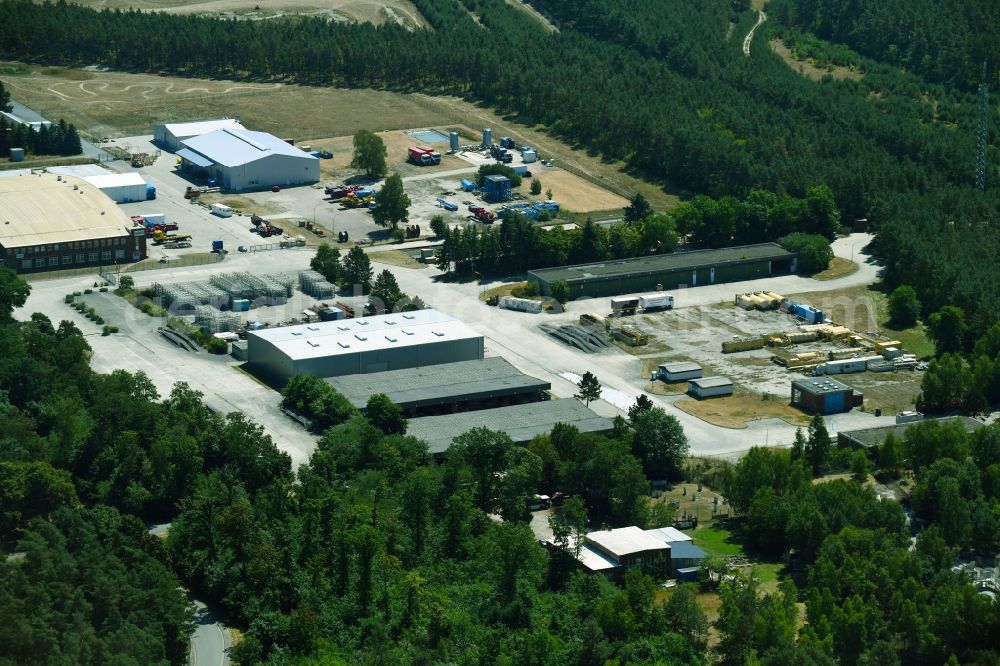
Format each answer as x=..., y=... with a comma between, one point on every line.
x=239, y=159
x=170, y=135
x=120, y=187
x=359, y=346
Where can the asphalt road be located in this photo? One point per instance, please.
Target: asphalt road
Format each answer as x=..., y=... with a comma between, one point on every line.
x=210, y=639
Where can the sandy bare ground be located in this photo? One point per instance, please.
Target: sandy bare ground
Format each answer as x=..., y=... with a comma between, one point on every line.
x=371, y=11
x=574, y=193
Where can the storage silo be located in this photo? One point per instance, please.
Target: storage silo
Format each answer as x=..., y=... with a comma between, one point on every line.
x=453, y=142
x=487, y=137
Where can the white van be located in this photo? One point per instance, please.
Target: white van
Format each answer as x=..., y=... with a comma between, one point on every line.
x=222, y=210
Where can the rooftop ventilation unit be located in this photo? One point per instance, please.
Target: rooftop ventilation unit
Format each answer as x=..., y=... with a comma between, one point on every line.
x=360, y=337
x=408, y=316
x=390, y=338
x=313, y=328
x=438, y=333
x=406, y=332
x=344, y=345
x=313, y=343
x=344, y=328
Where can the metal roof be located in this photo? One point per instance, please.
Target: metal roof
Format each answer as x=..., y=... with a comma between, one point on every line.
x=194, y=158
x=594, y=560
x=679, y=366
x=663, y=263
x=685, y=550
x=626, y=541
x=669, y=535
x=439, y=384
x=199, y=127
x=44, y=208
x=521, y=422
x=710, y=382
x=819, y=386
x=114, y=180
x=234, y=147
x=875, y=436
x=351, y=336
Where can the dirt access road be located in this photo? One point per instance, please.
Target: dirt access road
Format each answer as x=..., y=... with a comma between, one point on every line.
x=761, y=17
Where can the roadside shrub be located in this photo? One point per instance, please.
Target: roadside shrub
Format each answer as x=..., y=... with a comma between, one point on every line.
x=102, y=289
x=108, y=329
x=536, y=186
x=68, y=298
x=217, y=345
x=398, y=235
x=98, y=320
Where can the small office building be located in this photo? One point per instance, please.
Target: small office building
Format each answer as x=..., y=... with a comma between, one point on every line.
x=679, y=371
x=710, y=387
x=824, y=396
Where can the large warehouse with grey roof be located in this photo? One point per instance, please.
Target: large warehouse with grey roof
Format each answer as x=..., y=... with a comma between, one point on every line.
x=465, y=385
x=363, y=345
x=520, y=422
x=668, y=271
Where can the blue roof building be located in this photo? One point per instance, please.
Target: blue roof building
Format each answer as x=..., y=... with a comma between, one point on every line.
x=241, y=160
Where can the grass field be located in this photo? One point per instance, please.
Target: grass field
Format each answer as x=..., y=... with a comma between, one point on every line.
x=735, y=411
x=395, y=258
x=838, y=268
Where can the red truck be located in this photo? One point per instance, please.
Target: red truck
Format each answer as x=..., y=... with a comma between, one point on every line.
x=340, y=191
x=423, y=155
x=482, y=214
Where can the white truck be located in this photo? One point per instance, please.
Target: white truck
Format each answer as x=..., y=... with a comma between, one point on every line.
x=659, y=300
x=222, y=210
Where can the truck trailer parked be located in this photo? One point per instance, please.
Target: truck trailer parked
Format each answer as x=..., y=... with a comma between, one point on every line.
x=659, y=300
x=423, y=156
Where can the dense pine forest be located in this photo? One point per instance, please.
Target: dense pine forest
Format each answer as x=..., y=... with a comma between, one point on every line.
x=373, y=553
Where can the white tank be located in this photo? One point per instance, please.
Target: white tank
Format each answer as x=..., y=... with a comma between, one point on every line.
x=487, y=137
x=453, y=142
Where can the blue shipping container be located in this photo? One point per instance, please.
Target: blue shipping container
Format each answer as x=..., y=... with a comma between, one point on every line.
x=241, y=305
x=150, y=192
x=468, y=185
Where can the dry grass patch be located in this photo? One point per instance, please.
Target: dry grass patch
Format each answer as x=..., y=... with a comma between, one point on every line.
x=734, y=411
x=811, y=71
x=117, y=104
x=395, y=258
x=574, y=193
x=838, y=268
x=501, y=291
x=241, y=204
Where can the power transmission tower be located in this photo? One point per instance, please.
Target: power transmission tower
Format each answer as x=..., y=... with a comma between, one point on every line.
x=984, y=110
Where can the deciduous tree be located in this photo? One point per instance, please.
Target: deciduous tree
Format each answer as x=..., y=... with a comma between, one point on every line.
x=369, y=154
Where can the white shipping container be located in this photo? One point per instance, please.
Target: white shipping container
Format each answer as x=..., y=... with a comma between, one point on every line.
x=222, y=210
x=521, y=304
